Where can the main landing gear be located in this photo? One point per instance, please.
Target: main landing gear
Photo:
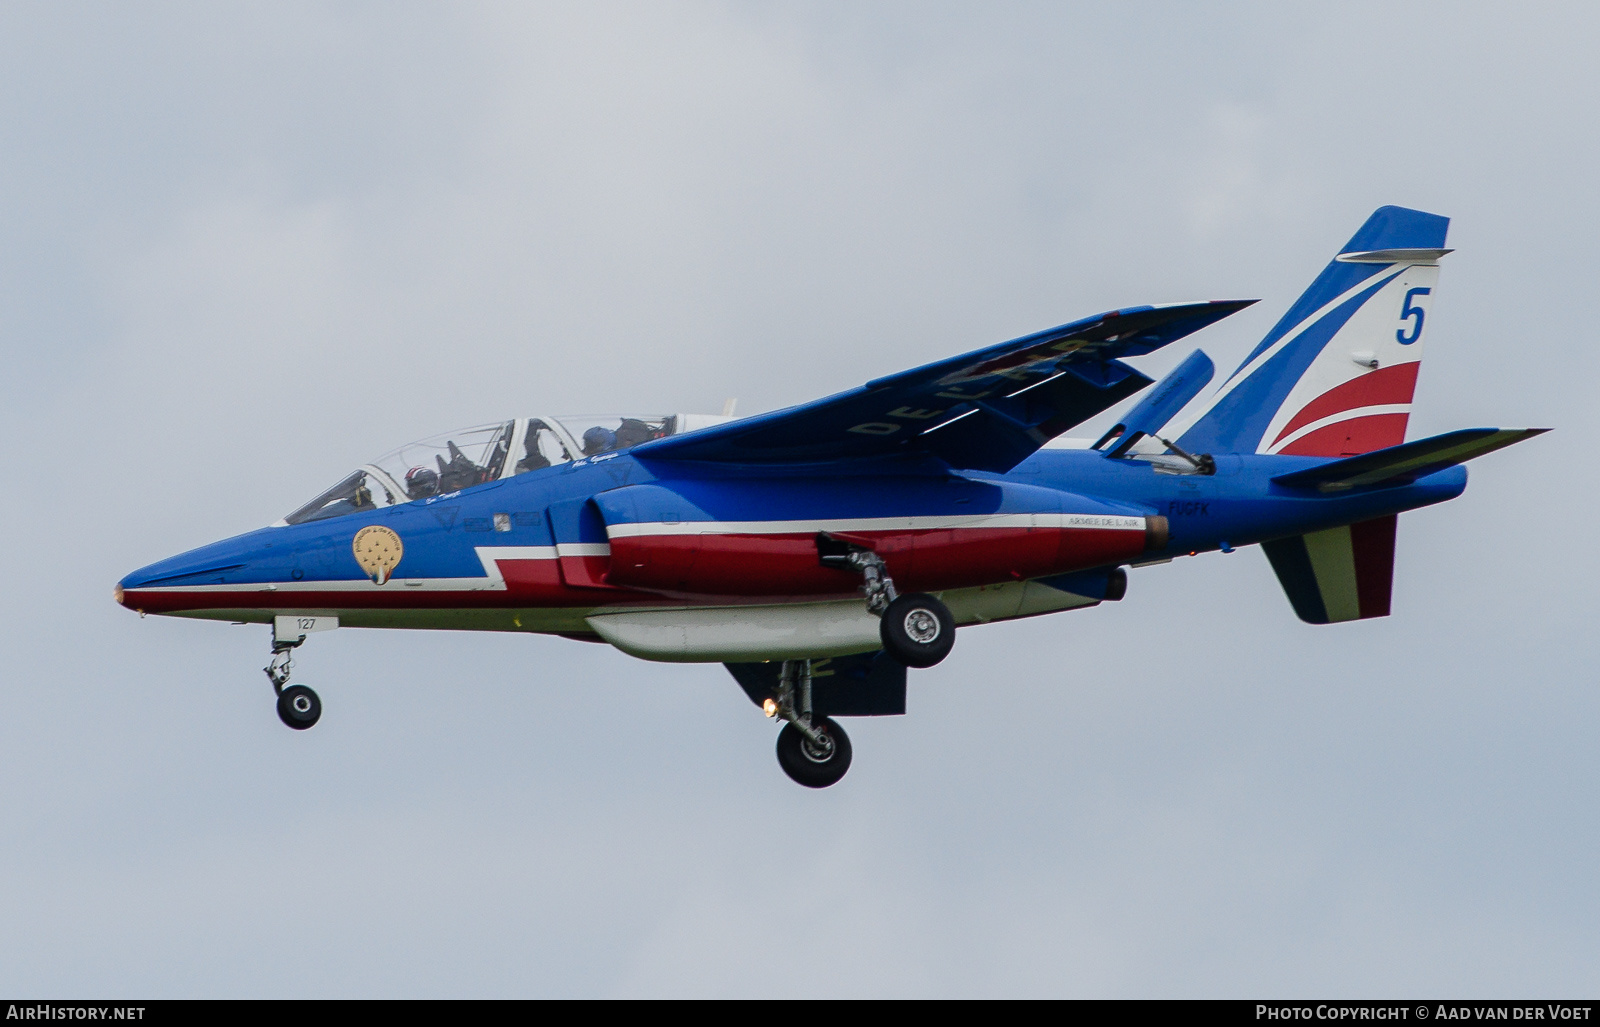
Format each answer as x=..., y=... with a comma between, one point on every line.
x=917, y=629
x=814, y=751
x=298, y=706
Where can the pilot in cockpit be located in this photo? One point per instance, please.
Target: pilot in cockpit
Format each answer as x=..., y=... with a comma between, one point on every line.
x=598, y=440
x=533, y=459
x=460, y=472
x=422, y=482
x=632, y=432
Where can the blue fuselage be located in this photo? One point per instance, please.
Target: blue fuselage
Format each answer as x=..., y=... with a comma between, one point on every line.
x=542, y=540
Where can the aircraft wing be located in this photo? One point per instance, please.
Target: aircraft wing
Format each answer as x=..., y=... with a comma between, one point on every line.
x=985, y=410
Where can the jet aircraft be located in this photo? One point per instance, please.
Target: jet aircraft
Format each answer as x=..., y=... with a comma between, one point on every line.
x=821, y=550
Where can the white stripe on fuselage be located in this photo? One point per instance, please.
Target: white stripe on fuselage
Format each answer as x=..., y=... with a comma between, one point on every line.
x=494, y=581
x=850, y=526
x=568, y=549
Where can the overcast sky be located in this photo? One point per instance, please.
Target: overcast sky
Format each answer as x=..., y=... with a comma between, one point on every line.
x=246, y=247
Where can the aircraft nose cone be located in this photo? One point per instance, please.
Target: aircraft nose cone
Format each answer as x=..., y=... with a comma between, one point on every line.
x=125, y=592
x=158, y=587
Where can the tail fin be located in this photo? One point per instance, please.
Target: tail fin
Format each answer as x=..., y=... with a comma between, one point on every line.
x=1346, y=573
x=1335, y=376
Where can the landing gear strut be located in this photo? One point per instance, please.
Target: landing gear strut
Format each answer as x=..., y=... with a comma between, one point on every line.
x=814, y=751
x=917, y=629
x=298, y=706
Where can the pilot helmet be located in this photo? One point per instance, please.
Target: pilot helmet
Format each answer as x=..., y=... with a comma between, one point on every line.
x=421, y=482
x=598, y=440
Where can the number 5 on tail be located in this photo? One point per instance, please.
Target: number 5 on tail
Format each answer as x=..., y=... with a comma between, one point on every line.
x=1408, y=311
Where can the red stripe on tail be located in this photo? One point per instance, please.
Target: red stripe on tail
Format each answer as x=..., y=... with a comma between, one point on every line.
x=1394, y=384
x=1351, y=438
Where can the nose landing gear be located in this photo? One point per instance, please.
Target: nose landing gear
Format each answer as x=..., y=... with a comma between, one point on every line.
x=810, y=763
x=298, y=706
x=813, y=751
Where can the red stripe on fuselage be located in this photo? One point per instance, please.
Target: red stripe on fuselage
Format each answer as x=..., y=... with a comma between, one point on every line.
x=529, y=583
x=585, y=572
x=918, y=560
x=714, y=566
x=390, y=597
x=539, y=582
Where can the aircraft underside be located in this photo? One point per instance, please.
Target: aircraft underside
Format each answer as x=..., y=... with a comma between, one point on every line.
x=806, y=628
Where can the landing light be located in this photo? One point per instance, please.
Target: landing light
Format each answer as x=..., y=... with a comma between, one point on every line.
x=769, y=707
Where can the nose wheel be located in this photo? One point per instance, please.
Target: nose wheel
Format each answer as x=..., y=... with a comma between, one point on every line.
x=298, y=706
x=815, y=761
x=814, y=751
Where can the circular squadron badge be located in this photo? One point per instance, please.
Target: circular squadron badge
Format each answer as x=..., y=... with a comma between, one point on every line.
x=378, y=551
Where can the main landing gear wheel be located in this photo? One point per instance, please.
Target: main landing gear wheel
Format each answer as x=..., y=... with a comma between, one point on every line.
x=815, y=764
x=917, y=630
x=299, y=707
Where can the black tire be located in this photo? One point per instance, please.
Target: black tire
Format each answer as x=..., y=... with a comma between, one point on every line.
x=299, y=707
x=805, y=764
x=917, y=630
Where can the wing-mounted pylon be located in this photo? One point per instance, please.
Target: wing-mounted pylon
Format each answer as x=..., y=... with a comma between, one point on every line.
x=984, y=410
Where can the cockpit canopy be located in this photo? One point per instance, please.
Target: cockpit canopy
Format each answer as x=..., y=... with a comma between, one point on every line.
x=472, y=456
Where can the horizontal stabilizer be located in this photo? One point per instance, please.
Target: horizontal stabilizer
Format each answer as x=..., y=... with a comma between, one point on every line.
x=1409, y=256
x=1403, y=464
